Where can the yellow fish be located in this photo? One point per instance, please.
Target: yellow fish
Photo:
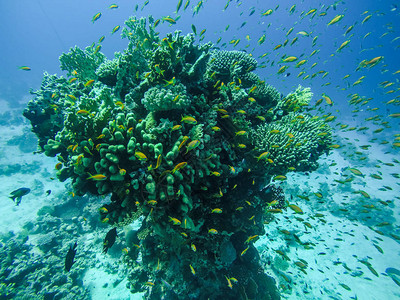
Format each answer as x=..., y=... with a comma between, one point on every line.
x=175, y=221
x=289, y=59
x=25, y=68
x=140, y=155
x=179, y=167
x=192, y=145
x=96, y=17
x=97, y=177
x=344, y=44
x=336, y=19
x=115, y=29
x=189, y=120
x=279, y=177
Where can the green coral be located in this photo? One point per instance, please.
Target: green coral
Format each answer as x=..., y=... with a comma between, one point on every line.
x=267, y=95
x=107, y=72
x=82, y=63
x=296, y=101
x=228, y=64
x=172, y=131
x=292, y=143
x=164, y=98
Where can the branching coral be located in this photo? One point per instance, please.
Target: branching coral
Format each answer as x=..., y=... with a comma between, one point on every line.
x=297, y=100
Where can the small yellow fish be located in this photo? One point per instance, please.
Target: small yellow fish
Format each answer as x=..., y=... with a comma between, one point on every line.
x=159, y=158
x=212, y=231
x=289, y=59
x=72, y=97
x=140, y=155
x=179, y=167
x=336, y=19
x=300, y=63
x=215, y=173
x=176, y=127
x=115, y=29
x=169, y=20
x=25, y=68
x=152, y=202
x=97, y=177
x=296, y=209
x=344, y=44
x=263, y=155
x=355, y=171
x=192, y=145
x=267, y=13
x=175, y=221
x=170, y=82
x=244, y=251
x=184, y=140
x=282, y=69
x=250, y=238
x=252, y=89
x=89, y=83
x=192, y=270
x=366, y=19
x=327, y=99
x=103, y=210
x=96, y=17
x=216, y=211
x=313, y=10
x=189, y=120
x=229, y=282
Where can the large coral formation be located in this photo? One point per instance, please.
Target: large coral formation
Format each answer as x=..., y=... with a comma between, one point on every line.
x=185, y=137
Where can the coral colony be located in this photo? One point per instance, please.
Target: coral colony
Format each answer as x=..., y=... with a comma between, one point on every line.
x=186, y=139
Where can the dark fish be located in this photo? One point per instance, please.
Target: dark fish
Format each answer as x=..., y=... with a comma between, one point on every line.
x=48, y=192
x=109, y=240
x=69, y=259
x=18, y=194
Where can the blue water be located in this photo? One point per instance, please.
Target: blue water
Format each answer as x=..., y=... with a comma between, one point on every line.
x=35, y=33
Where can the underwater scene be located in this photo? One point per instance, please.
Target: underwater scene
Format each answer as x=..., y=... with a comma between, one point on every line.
x=199, y=149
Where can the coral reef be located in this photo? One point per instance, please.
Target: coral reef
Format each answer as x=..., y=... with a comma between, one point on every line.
x=295, y=101
x=184, y=138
